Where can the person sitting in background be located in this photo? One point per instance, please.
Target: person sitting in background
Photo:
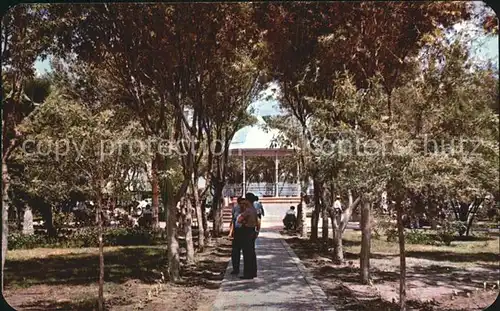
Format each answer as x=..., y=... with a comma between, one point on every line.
x=290, y=219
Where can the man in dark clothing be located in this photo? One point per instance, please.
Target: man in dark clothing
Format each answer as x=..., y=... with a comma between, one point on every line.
x=290, y=219
x=249, y=221
x=235, y=232
x=253, y=199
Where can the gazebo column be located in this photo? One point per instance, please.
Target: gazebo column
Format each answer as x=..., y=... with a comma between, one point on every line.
x=276, y=171
x=244, y=175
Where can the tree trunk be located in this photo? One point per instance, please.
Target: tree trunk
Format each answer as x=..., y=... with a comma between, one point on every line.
x=402, y=257
x=434, y=223
x=172, y=242
x=28, y=221
x=324, y=232
x=470, y=217
x=101, y=254
x=19, y=214
x=364, y=258
x=299, y=215
x=301, y=223
x=199, y=216
x=338, y=250
x=5, y=213
x=188, y=231
x=155, y=187
x=316, y=211
x=314, y=225
x=339, y=224
x=205, y=221
x=216, y=208
x=48, y=220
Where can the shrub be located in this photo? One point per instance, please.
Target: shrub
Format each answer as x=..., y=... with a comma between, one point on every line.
x=129, y=236
x=61, y=220
x=418, y=237
x=411, y=237
x=447, y=232
x=17, y=240
x=86, y=237
x=392, y=234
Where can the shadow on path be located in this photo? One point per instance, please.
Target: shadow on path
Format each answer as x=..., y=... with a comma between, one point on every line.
x=281, y=283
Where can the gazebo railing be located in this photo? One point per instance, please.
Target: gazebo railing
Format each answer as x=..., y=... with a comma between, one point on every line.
x=262, y=189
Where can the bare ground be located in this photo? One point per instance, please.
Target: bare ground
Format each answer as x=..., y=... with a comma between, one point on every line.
x=66, y=279
x=435, y=280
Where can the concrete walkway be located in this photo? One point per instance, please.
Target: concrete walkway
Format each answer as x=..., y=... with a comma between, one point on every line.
x=282, y=283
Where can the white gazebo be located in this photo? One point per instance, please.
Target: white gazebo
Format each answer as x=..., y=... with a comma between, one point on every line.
x=257, y=140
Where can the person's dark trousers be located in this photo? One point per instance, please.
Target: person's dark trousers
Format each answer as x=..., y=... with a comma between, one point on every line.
x=289, y=221
x=236, y=249
x=249, y=255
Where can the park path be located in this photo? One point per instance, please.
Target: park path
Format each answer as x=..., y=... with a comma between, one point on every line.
x=282, y=283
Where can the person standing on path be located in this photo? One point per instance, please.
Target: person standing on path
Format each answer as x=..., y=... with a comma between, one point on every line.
x=258, y=206
x=249, y=221
x=235, y=234
x=254, y=201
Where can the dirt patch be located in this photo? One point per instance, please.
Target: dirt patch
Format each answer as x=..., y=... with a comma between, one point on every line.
x=133, y=281
x=431, y=284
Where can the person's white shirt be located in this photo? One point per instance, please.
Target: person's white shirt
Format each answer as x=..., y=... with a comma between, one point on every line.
x=290, y=212
x=337, y=205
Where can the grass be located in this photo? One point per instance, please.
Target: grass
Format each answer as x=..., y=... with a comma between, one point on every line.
x=66, y=278
x=79, y=266
x=40, y=253
x=432, y=273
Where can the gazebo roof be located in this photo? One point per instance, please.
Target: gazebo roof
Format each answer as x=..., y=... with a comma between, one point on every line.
x=257, y=140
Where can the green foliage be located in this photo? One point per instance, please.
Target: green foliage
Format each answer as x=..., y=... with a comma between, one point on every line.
x=391, y=234
x=61, y=220
x=112, y=237
x=419, y=237
x=415, y=236
x=86, y=237
x=77, y=138
x=133, y=236
x=21, y=241
x=448, y=231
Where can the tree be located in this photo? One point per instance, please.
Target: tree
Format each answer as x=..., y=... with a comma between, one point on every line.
x=229, y=87
x=164, y=72
x=87, y=129
x=365, y=242
x=300, y=52
x=226, y=114
x=36, y=90
x=26, y=36
x=305, y=56
x=445, y=112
